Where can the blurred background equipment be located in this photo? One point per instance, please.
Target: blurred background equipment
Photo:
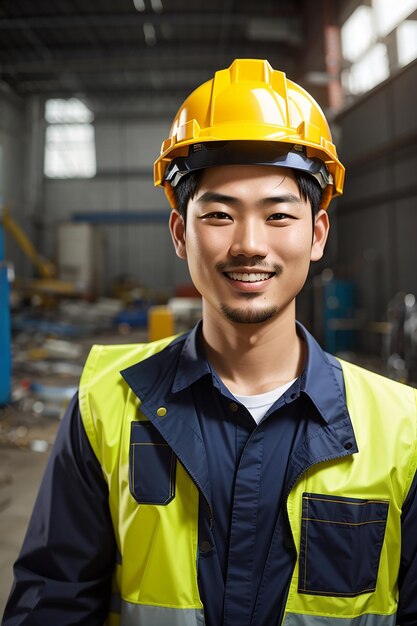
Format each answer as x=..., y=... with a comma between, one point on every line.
x=6, y=276
x=81, y=257
x=5, y=339
x=48, y=282
x=401, y=341
x=45, y=268
x=336, y=298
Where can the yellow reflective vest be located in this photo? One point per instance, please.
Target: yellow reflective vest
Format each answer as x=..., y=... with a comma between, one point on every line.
x=336, y=504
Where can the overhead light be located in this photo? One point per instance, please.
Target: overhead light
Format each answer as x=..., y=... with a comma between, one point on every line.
x=271, y=29
x=317, y=78
x=149, y=33
x=157, y=6
x=139, y=5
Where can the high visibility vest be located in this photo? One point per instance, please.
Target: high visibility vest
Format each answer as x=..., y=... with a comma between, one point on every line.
x=350, y=506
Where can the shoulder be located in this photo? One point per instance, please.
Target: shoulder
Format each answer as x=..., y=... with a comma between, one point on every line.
x=107, y=361
x=366, y=391
x=372, y=380
x=105, y=399
x=367, y=376
x=391, y=404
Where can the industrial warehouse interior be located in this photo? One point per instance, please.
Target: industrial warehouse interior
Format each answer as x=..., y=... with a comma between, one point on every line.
x=88, y=92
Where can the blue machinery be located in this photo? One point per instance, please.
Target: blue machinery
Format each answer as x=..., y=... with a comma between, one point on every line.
x=339, y=303
x=5, y=341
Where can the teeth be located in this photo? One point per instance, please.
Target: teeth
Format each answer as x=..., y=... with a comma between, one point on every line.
x=248, y=278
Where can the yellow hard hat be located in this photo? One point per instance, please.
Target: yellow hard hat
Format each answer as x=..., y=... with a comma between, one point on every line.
x=250, y=113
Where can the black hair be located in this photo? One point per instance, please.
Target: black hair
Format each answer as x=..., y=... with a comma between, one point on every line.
x=187, y=187
x=309, y=189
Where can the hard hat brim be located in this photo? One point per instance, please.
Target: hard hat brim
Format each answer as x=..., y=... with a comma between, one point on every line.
x=219, y=153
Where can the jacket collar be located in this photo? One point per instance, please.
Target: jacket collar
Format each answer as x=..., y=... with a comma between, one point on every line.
x=166, y=375
x=321, y=380
x=163, y=381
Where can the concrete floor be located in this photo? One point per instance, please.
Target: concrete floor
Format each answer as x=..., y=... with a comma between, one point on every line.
x=22, y=430
x=20, y=475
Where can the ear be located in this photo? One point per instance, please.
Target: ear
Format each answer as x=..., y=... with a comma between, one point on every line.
x=177, y=229
x=321, y=230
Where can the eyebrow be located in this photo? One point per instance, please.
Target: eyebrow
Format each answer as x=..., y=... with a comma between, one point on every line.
x=214, y=196
x=220, y=198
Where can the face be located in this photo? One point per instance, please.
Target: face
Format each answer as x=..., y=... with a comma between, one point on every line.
x=249, y=241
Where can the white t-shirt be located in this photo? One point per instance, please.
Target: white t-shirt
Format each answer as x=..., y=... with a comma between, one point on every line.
x=258, y=405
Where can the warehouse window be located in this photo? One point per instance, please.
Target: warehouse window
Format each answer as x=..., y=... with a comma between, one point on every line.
x=69, y=143
x=407, y=42
x=356, y=33
x=367, y=36
x=368, y=58
x=389, y=14
x=370, y=70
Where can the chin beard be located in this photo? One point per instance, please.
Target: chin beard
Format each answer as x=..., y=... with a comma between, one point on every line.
x=245, y=316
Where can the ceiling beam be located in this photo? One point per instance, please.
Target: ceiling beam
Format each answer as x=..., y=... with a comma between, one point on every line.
x=135, y=19
x=161, y=59
x=274, y=27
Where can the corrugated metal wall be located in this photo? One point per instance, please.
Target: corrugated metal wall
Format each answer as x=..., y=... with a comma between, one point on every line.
x=376, y=219
x=14, y=170
x=126, y=149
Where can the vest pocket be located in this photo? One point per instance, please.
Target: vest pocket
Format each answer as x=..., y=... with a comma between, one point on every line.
x=152, y=465
x=341, y=542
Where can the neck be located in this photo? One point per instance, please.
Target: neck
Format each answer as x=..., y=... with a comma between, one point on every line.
x=254, y=358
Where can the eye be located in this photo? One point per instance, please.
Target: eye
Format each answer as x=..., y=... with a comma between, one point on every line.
x=278, y=217
x=216, y=215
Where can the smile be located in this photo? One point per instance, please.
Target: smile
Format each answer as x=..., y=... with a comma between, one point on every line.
x=249, y=277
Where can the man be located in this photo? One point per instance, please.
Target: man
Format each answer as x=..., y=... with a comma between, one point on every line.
x=236, y=475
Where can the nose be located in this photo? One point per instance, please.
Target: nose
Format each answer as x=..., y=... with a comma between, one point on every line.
x=249, y=239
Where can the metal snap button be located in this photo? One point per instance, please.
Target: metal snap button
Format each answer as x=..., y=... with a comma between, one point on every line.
x=205, y=547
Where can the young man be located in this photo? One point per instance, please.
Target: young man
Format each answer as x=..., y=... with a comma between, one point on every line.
x=236, y=475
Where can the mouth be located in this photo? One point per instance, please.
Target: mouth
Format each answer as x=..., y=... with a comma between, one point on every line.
x=249, y=277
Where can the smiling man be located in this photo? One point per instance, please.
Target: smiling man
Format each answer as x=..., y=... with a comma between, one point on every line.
x=236, y=475
x=249, y=237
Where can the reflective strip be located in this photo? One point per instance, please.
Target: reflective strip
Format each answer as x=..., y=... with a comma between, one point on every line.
x=146, y=615
x=297, y=619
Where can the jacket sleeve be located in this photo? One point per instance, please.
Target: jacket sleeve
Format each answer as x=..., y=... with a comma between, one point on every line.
x=407, y=609
x=63, y=572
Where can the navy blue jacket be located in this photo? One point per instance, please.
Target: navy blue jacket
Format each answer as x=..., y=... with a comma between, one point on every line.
x=246, y=555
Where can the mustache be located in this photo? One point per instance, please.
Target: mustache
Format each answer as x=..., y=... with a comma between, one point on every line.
x=258, y=263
